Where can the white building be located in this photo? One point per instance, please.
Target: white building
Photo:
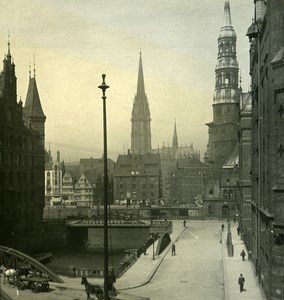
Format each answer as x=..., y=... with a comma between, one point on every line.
x=84, y=192
x=53, y=180
x=67, y=186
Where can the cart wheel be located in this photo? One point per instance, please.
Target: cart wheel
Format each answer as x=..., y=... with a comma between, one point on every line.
x=45, y=286
x=34, y=287
x=21, y=285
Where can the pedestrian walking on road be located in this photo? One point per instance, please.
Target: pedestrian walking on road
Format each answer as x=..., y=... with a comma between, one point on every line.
x=222, y=226
x=184, y=223
x=173, y=249
x=241, y=282
x=238, y=230
x=243, y=254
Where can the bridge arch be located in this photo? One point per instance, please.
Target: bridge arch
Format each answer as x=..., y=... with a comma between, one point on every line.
x=12, y=258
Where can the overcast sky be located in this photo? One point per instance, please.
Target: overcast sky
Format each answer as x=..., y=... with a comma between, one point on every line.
x=74, y=42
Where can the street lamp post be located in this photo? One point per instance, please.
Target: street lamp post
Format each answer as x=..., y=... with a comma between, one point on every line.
x=103, y=87
x=153, y=237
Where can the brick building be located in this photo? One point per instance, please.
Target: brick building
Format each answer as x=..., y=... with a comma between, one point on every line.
x=245, y=136
x=21, y=162
x=266, y=36
x=137, y=177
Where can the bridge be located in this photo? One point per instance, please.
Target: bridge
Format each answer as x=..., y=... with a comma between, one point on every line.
x=116, y=219
x=12, y=258
x=4, y=296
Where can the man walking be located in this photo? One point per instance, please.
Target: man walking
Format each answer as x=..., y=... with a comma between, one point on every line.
x=241, y=282
x=173, y=249
x=243, y=254
x=222, y=226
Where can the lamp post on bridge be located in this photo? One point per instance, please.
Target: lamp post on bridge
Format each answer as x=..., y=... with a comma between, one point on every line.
x=104, y=87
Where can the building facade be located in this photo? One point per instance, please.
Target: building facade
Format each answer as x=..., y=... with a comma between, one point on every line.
x=84, y=192
x=266, y=35
x=141, y=120
x=67, y=186
x=190, y=180
x=137, y=178
x=245, y=136
x=21, y=162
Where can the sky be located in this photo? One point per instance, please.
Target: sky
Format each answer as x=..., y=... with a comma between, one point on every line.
x=74, y=42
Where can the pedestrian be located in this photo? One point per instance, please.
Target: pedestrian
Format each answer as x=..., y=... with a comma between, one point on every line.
x=184, y=223
x=243, y=254
x=222, y=226
x=144, y=249
x=111, y=280
x=238, y=230
x=173, y=249
x=241, y=282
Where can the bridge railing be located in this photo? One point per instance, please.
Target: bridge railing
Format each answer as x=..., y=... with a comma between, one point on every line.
x=72, y=271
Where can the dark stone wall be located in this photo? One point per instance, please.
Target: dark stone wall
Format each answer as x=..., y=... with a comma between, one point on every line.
x=119, y=238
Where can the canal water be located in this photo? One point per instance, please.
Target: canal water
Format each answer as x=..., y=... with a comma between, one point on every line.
x=82, y=259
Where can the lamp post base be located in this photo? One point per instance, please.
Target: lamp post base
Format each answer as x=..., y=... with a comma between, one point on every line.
x=230, y=245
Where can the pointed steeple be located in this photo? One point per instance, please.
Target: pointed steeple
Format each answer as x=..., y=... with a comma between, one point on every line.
x=175, y=138
x=227, y=14
x=227, y=29
x=33, y=105
x=33, y=113
x=141, y=127
x=140, y=83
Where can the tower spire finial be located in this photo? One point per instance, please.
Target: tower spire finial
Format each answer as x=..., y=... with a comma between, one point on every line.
x=140, y=83
x=34, y=67
x=9, y=54
x=227, y=14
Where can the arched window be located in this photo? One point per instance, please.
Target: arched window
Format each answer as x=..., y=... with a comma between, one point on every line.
x=227, y=78
x=226, y=47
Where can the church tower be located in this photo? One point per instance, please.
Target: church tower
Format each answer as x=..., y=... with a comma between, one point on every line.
x=224, y=128
x=141, y=129
x=33, y=113
x=175, y=137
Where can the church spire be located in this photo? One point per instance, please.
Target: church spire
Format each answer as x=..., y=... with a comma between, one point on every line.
x=227, y=29
x=140, y=83
x=227, y=14
x=175, y=138
x=141, y=128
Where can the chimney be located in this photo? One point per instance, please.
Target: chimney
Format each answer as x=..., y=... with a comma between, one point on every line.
x=58, y=156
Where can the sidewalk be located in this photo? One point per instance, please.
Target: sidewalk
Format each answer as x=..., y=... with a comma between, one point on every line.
x=145, y=267
x=234, y=266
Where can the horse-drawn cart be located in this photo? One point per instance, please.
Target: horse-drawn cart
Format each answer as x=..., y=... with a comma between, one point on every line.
x=34, y=283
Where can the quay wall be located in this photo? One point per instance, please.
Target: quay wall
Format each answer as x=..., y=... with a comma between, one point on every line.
x=119, y=238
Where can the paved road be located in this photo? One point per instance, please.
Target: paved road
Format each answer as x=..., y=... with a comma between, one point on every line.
x=197, y=273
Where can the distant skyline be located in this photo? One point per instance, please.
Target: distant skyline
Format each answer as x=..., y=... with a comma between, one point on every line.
x=74, y=42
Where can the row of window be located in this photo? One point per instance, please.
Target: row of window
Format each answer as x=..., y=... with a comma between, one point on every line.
x=226, y=47
x=226, y=79
x=134, y=185
x=143, y=195
x=134, y=179
x=17, y=142
x=16, y=178
x=13, y=159
x=12, y=198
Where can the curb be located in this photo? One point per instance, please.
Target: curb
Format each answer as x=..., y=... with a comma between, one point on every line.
x=225, y=276
x=156, y=267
